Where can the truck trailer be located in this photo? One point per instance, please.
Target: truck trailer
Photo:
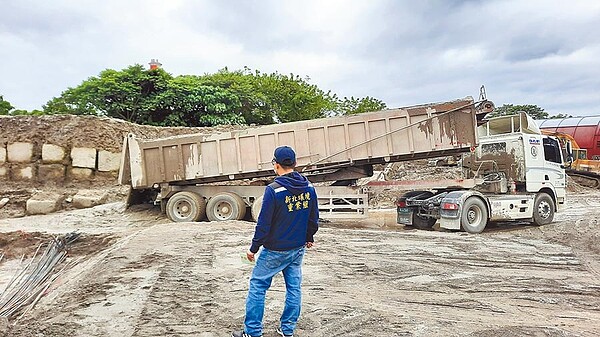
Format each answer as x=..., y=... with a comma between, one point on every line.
x=515, y=173
x=215, y=175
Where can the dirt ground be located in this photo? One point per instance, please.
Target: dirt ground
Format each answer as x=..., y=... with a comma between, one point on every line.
x=150, y=277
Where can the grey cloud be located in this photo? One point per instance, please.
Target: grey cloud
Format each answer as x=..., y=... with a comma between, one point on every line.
x=32, y=19
x=404, y=52
x=257, y=25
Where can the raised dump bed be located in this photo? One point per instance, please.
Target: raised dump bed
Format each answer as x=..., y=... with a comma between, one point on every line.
x=328, y=149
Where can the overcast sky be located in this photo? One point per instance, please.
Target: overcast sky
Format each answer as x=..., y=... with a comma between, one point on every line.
x=403, y=52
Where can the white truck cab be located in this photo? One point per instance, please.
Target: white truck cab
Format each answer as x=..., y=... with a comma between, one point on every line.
x=517, y=174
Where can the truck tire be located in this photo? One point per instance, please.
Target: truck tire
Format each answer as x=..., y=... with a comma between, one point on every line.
x=474, y=215
x=186, y=206
x=255, y=209
x=543, y=209
x=421, y=222
x=225, y=206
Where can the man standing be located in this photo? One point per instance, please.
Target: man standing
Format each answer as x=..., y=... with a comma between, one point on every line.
x=287, y=223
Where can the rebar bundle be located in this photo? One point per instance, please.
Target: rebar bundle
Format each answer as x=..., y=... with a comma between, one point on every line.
x=30, y=283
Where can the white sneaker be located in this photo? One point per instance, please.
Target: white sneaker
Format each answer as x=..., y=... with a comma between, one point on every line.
x=282, y=334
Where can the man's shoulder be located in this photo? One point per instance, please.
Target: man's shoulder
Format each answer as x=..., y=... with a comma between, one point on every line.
x=277, y=188
x=274, y=185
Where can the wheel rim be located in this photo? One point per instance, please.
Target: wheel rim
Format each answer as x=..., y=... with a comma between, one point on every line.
x=223, y=210
x=183, y=209
x=474, y=215
x=544, y=209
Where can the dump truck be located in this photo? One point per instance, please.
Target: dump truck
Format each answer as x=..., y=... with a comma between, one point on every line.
x=216, y=175
x=514, y=173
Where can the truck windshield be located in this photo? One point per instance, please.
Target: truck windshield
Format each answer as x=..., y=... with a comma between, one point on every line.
x=552, y=151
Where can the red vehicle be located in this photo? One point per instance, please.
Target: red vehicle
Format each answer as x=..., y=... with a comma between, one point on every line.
x=585, y=130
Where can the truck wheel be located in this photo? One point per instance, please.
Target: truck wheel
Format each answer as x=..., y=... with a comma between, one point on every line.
x=543, y=209
x=256, y=206
x=225, y=206
x=474, y=215
x=186, y=206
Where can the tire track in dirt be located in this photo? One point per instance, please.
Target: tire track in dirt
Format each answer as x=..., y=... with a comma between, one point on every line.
x=432, y=283
x=181, y=299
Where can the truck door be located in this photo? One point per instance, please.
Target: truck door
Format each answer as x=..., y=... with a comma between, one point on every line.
x=543, y=163
x=554, y=174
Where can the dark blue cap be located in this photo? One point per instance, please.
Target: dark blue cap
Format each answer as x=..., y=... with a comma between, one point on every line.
x=285, y=155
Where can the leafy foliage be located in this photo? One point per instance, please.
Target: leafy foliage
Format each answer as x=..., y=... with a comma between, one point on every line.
x=34, y=112
x=186, y=101
x=129, y=94
x=291, y=98
x=5, y=106
x=242, y=83
x=270, y=98
x=560, y=116
x=351, y=106
x=7, y=109
x=509, y=109
x=532, y=110
x=225, y=97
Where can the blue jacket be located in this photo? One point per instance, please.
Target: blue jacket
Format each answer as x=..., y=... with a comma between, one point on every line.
x=289, y=215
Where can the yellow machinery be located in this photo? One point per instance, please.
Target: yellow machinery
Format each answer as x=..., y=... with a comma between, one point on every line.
x=584, y=171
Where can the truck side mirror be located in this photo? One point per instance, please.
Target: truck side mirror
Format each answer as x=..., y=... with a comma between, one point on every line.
x=569, y=149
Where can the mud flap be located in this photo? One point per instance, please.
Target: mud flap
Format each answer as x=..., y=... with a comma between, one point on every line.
x=142, y=196
x=450, y=223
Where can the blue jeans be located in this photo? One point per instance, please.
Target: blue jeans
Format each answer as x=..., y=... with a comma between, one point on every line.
x=268, y=264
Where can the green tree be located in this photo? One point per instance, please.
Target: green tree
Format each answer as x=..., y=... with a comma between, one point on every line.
x=34, y=112
x=187, y=102
x=532, y=110
x=5, y=106
x=291, y=98
x=226, y=97
x=560, y=116
x=509, y=109
x=269, y=98
x=129, y=94
x=253, y=103
x=351, y=106
x=149, y=97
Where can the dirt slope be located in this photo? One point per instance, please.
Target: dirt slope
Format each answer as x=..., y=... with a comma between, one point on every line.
x=85, y=131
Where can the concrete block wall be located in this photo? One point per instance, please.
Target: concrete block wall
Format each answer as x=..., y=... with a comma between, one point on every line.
x=53, y=153
x=108, y=161
x=22, y=172
x=51, y=172
x=52, y=163
x=83, y=157
x=3, y=165
x=20, y=152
